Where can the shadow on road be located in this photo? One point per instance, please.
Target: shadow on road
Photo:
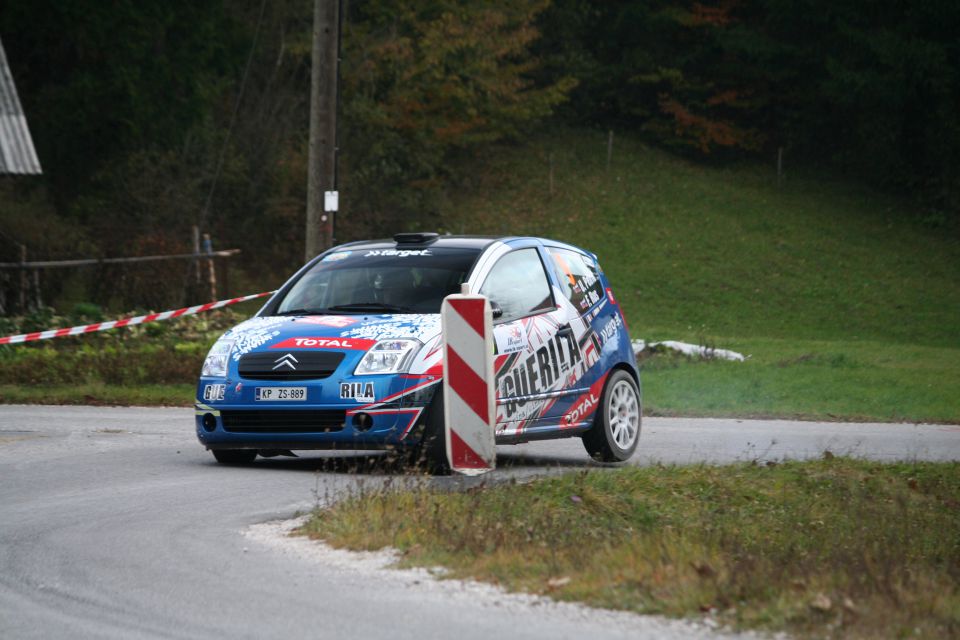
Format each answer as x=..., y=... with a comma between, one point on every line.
x=383, y=464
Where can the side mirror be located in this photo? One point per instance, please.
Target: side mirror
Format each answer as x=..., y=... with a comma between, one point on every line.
x=496, y=309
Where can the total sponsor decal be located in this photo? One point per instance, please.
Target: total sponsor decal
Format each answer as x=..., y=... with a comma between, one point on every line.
x=359, y=391
x=318, y=342
x=584, y=406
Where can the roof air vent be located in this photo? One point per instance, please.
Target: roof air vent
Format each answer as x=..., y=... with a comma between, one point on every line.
x=415, y=238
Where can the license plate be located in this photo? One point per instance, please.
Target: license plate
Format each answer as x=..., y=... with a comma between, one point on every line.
x=280, y=393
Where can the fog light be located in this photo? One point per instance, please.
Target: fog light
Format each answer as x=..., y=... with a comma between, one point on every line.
x=362, y=421
x=209, y=421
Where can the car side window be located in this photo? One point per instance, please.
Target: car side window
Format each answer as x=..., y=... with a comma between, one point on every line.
x=518, y=284
x=578, y=276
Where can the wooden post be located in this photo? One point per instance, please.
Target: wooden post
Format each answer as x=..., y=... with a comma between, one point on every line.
x=322, y=161
x=196, y=249
x=3, y=294
x=225, y=277
x=37, y=300
x=23, y=280
x=609, y=148
x=211, y=270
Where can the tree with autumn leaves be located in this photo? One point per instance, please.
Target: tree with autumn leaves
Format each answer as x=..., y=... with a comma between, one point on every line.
x=423, y=82
x=163, y=112
x=867, y=89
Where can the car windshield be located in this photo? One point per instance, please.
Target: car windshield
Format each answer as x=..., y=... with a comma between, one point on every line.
x=380, y=281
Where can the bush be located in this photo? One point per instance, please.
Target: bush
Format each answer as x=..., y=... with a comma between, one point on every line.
x=162, y=353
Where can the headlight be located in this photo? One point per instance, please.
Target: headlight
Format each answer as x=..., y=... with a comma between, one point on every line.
x=388, y=356
x=216, y=363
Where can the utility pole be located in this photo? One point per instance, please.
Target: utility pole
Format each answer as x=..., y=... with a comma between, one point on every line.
x=322, y=166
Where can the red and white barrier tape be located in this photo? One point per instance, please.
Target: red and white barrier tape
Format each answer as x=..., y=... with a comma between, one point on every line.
x=127, y=322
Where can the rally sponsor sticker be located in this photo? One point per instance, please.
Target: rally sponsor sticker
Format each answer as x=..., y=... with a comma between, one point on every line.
x=398, y=253
x=510, y=338
x=213, y=392
x=336, y=257
x=330, y=321
x=359, y=391
x=319, y=342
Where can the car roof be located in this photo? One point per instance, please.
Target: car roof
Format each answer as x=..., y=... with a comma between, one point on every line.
x=451, y=242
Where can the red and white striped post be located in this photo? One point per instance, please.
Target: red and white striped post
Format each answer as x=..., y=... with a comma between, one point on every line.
x=468, y=383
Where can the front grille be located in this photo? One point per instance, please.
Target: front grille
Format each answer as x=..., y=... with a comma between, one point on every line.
x=283, y=421
x=289, y=365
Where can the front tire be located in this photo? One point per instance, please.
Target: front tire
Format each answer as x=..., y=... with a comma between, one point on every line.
x=431, y=453
x=234, y=456
x=616, y=427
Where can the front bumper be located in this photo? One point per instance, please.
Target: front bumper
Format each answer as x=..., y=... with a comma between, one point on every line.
x=323, y=421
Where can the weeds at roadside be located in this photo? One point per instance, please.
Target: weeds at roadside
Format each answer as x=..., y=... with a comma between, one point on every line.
x=835, y=546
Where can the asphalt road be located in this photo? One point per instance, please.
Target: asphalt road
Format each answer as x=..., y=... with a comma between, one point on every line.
x=115, y=523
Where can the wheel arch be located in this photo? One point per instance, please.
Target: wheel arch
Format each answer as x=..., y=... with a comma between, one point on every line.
x=633, y=371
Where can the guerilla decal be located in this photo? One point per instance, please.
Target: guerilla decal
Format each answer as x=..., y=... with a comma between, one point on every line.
x=551, y=365
x=214, y=392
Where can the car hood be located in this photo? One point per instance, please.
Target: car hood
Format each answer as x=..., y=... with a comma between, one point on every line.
x=351, y=331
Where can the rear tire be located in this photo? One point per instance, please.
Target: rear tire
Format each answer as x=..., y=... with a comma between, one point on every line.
x=616, y=427
x=234, y=456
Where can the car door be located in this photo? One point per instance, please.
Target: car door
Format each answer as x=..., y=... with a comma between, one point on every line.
x=537, y=356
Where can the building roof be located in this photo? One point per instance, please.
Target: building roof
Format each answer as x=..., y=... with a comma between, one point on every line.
x=17, y=154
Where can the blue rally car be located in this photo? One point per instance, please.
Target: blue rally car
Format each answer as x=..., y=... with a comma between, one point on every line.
x=347, y=354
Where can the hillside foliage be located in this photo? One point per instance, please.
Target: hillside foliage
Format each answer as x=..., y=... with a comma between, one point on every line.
x=153, y=116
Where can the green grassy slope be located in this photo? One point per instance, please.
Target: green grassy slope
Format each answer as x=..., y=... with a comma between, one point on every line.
x=848, y=306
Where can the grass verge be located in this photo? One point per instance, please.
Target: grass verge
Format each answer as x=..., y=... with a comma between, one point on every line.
x=809, y=379
x=848, y=303
x=831, y=547
x=99, y=394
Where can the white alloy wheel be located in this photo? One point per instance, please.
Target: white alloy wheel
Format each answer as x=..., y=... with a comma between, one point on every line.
x=616, y=428
x=623, y=414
